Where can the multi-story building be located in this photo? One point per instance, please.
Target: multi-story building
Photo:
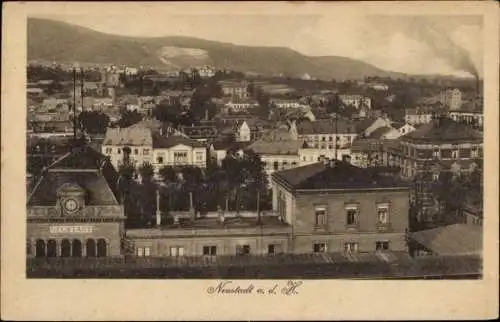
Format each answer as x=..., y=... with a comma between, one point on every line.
x=451, y=98
x=474, y=118
x=177, y=150
x=235, y=89
x=277, y=155
x=444, y=141
x=335, y=207
x=74, y=209
x=332, y=138
x=356, y=100
x=442, y=145
x=139, y=140
x=420, y=115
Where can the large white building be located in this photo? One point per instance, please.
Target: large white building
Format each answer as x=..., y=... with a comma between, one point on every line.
x=452, y=98
x=331, y=138
x=177, y=150
x=154, y=148
x=139, y=140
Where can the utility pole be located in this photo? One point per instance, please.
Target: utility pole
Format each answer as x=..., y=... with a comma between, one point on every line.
x=74, y=103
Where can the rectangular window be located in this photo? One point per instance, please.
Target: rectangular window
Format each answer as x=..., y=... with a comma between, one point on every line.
x=242, y=249
x=351, y=247
x=119, y=150
x=109, y=150
x=176, y=251
x=474, y=153
x=159, y=159
x=199, y=156
x=136, y=151
x=383, y=214
x=147, y=251
x=320, y=216
x=274, y=249
x=319, y=247
x=352, y=216
x=382, y=245
x=435, y=153
x=454, y=154
x=145, y=151
x=140, y=251
x=209, y=250
x=180, y=157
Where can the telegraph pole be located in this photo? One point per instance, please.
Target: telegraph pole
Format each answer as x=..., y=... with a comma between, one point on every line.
x=74, y=103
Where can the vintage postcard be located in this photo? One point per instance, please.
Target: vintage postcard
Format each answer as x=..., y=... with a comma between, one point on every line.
x=200, y=160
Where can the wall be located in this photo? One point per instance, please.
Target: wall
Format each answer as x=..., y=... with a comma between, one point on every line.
x=304, y=223
x=138, y=159
x=226, y=245
x=111, y=231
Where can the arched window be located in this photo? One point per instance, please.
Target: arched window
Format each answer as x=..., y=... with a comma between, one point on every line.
x=91, y=251
x=101, y=247
x=40, y=248
x=51, y=248
x=65, y=248
x=76, y=249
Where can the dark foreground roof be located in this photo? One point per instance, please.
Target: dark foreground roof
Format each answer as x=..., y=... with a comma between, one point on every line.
x=457, y=239
x=290, y=266
x=84, y=167
x=336, y=175
x=443, y=130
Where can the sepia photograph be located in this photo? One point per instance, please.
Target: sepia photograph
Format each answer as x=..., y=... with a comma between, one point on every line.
x=189, y=156
x=225, y=147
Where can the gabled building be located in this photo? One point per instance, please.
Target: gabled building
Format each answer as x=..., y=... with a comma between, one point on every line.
x=277, y=155
x=177, y=150
x=138, y=139
x=334, y=206
x=75, y=210
x=441, y=145
x=333, y=138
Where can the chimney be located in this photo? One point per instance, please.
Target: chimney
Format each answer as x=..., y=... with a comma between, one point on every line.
x=158, y=212
x=206, y=114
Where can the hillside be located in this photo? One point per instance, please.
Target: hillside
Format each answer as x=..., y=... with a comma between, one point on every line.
x=58, y=41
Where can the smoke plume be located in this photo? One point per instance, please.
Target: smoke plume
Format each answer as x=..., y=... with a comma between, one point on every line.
x=444, y=47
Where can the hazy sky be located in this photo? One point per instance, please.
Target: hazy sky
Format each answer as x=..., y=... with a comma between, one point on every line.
x=394, y=43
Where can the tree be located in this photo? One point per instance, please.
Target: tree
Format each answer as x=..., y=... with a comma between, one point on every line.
x=93, y=121
x=170, y=182
x=129, y=118
x=146, y=171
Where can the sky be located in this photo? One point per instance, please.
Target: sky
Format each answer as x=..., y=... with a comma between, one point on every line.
x=409, y=44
